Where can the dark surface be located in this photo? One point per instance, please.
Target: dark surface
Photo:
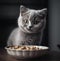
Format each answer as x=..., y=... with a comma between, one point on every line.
x=50, y=56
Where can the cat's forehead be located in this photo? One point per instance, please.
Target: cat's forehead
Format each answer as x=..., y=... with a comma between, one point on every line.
x=30, y=13
x=33, y=13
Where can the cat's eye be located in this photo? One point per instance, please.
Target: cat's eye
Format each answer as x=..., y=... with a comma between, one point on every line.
x=25, y=20
x=36, y=22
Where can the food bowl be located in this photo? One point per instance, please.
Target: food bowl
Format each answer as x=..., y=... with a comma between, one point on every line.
x=26, y=51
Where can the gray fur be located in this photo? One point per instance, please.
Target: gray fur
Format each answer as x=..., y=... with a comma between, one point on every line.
x=31, y=24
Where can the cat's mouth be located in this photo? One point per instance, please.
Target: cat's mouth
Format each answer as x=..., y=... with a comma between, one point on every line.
x=26, y=30
x=29, y=29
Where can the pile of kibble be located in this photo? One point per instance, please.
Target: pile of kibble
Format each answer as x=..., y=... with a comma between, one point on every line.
x=23, y=48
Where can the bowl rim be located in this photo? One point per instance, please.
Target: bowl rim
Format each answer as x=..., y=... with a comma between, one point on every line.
x=42, y=48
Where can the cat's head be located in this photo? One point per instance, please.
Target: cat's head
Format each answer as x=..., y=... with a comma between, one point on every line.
x=30, y=20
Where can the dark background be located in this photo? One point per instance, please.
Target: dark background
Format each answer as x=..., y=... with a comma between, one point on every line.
x=54, y=24
x=9, y=12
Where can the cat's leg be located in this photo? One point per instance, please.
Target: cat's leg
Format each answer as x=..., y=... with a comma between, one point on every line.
x=11, y=37
x=9, y=43
x=10, y=40
x=40, y=41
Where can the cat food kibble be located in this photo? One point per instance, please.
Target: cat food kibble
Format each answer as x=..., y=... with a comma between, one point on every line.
x=24, y=48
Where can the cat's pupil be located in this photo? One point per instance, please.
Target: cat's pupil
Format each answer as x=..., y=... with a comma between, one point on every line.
x=26, y=20
x=36, y=22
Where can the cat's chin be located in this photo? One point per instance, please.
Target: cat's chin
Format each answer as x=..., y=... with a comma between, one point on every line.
x=27, y=31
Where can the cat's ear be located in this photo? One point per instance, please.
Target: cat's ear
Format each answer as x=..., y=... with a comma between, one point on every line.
x=23, y=9
x=43, y=11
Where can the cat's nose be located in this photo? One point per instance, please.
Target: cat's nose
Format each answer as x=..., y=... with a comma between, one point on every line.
x=30, y=27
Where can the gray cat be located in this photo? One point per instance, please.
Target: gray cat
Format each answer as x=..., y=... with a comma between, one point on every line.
x=31, y=24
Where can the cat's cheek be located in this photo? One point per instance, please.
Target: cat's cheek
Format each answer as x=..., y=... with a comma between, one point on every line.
x=37, y=26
